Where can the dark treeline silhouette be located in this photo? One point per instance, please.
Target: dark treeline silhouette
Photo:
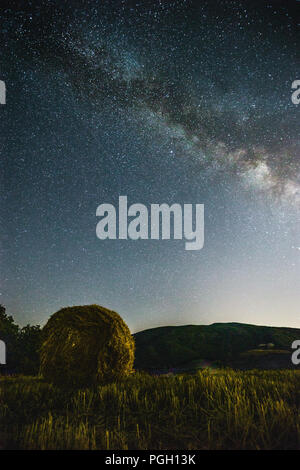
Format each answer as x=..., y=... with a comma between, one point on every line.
x=22, y=346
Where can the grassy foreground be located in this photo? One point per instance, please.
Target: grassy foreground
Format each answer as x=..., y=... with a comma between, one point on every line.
x=225, y=410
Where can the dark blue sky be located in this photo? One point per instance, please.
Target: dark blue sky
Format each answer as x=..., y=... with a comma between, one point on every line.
x=182, y=101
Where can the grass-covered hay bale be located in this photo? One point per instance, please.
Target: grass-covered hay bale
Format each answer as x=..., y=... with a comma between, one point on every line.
x=85, y=345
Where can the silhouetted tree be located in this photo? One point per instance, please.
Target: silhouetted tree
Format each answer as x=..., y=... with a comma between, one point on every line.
x=29, y=347
x=9, y=333
x=22, y=345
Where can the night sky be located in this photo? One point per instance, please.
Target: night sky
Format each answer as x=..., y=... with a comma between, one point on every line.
x=164, y=102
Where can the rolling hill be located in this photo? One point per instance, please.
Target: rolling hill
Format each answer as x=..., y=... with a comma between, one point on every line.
x=176, y=346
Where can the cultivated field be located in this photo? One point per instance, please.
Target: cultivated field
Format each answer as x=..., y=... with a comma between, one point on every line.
x=223, y=410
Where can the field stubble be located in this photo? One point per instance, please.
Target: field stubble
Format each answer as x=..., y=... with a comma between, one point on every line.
x=227, y=410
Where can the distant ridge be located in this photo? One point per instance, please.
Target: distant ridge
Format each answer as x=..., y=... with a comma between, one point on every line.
x=172, y=346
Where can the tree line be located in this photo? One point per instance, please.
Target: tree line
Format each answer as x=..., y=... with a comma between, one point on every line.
x=22, y=346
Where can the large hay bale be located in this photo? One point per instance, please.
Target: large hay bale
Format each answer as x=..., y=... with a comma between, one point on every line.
x=84, y=345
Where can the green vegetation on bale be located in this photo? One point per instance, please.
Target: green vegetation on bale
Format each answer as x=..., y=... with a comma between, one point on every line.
x=86, y=345
x=226, y=410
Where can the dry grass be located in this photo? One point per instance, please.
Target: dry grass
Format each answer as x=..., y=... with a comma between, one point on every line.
x=228, y=410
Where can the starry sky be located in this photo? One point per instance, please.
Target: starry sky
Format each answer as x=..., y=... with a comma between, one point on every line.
x=176, y=101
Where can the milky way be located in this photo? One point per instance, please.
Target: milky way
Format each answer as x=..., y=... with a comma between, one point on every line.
x=184, y=101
